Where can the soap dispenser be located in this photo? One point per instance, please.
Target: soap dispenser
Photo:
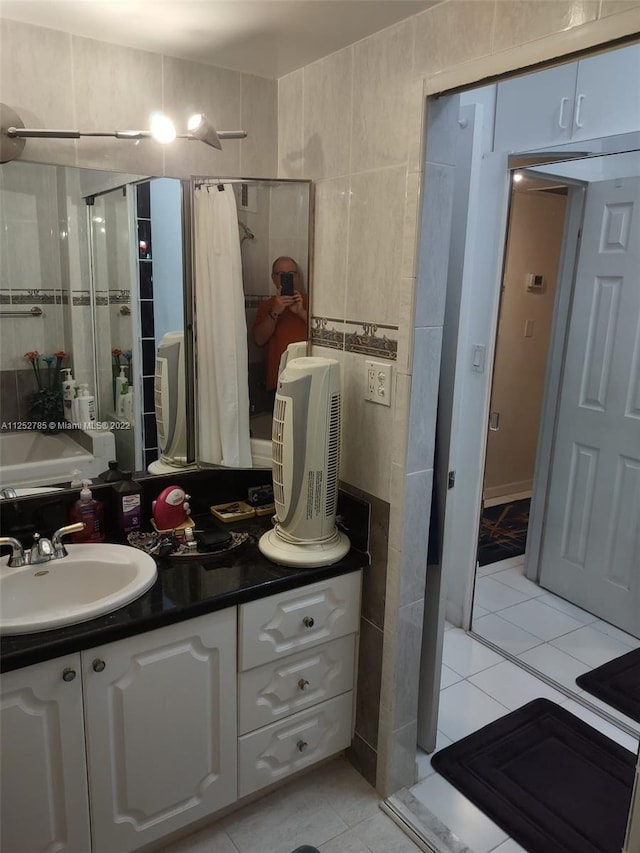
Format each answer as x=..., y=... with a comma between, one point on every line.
x=91, y=511
x=122, y=387
x=69, y=390
x=86, y=407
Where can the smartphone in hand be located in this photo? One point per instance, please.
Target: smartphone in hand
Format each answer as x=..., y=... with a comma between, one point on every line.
x=286, y=284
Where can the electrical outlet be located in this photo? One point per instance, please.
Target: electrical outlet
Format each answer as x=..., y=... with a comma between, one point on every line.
x=377, y=387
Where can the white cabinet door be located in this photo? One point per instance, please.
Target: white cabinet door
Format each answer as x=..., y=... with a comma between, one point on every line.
x=276, y=751
x=161, y=730
x=608, y=94
x=535, y=110
x=282, y=624
x=44, y=785
x=280, y=688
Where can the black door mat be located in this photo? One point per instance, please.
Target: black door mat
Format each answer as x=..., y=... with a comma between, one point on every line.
x=503, y=531
x=552, y=782
x=617, y=683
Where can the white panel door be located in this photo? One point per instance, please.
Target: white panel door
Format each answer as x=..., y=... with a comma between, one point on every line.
x=45, y=806
x=591, y=536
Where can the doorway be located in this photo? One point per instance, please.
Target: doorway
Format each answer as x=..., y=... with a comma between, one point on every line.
x=562, y=622
x=532, y=261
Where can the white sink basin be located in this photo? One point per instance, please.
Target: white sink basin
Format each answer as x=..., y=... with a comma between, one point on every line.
x=90, y=581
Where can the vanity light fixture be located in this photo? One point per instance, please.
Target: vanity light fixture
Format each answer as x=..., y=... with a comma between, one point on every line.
x=13, y=133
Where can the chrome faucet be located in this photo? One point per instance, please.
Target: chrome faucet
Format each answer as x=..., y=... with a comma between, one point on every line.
x=8, y=492
x=17, y=557
x=56, y=540
x=43, y=550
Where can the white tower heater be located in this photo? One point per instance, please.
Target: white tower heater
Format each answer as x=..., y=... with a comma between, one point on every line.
x=306, y=465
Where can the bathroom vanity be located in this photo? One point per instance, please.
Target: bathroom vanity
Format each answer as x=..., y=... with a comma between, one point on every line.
x=225, y=677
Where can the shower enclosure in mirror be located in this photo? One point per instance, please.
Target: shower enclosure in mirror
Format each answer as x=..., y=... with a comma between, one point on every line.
x=81, y=288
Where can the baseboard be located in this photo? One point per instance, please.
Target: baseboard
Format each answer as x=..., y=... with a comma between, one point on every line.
x=505, y=494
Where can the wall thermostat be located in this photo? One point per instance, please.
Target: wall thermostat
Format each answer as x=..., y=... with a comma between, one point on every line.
x=536, y=283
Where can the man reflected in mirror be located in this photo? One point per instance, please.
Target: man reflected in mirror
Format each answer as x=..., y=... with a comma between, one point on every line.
x=282, y=319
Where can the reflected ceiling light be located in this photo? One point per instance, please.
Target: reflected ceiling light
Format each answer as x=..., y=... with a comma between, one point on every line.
x=13, y=132
x=517, y=177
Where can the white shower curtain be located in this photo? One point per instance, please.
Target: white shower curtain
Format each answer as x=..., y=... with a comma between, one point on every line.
x=221, y=331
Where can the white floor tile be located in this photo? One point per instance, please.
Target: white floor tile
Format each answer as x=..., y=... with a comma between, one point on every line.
x=540, y=620
x=377, y=834
x=613, y=712
x=423, y=759
x=504, y=634
x=465, y=655
x=513, y=686
x=464, y=708
x=556, y=664
x=479, y=611
x=515, y=578
x=567, y=607
x=493, y=595
x=616, y=633
x=448, y=677
x=591, y=646
x=463, y=818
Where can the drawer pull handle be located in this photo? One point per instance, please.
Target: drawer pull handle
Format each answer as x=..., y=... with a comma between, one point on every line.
x=302, y=745
x=308, y=622
x=98, y=665
x=68, y=674
x=303, y=684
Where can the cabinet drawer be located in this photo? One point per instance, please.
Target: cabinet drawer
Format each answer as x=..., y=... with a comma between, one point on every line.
x=280, y=749
x=280, y=625
x=277, y=689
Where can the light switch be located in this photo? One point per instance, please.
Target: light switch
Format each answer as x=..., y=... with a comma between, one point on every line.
x=477, y=358
x=378, y=383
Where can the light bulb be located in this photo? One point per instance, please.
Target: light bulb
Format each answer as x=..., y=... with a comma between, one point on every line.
x=517, y=177
x=162, y=128
x=194, y=122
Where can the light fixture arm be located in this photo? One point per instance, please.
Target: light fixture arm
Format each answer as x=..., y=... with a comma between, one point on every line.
x=13, y=134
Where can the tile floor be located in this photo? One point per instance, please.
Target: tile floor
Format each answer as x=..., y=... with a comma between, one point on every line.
x=336, y=810
x=480, y=685
x=332, y=808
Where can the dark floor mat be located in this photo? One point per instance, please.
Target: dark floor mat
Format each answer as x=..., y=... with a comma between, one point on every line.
x=503, y=531
x=617, y=683
x=549, y=780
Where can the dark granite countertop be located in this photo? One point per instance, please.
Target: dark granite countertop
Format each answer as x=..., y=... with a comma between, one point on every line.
x=185, y=588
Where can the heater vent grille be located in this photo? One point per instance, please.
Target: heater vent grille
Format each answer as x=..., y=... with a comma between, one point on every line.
x=277, y=446
x=333, y=456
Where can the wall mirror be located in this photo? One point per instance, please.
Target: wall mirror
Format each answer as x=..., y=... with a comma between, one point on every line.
x=97, y=265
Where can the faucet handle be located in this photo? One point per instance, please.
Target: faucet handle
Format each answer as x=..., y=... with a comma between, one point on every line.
x=56, y=539
x=41, y=550
x=17, y=558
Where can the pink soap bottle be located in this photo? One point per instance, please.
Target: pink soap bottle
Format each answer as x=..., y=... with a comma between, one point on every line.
x=91, y=511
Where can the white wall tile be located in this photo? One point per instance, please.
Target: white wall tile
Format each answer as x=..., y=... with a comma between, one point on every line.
x=331, y=215
x=191, y=87
x=525, y=20
x=452, y=32
x=291, y=126
x=375, y=244
x=327, y=115
x=382, y=75
x=259, y=117
x=36, y=80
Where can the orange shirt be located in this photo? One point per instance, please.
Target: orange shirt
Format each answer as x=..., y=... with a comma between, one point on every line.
x=289, y=329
